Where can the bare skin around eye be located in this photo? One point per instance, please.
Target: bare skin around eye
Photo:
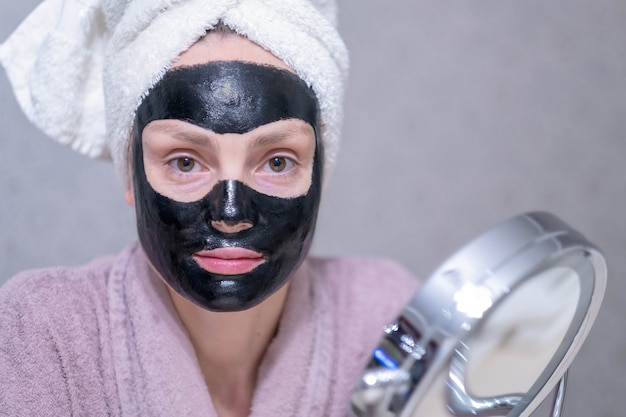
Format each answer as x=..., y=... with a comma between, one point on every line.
x=183, y=161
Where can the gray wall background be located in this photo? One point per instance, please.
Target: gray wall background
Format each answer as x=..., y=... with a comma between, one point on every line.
x=458, y=115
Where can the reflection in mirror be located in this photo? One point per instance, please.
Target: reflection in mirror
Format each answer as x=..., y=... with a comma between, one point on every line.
x=490, y=372
x=518, y=339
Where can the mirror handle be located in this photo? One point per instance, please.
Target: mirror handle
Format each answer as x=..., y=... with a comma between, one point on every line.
x=559, y=397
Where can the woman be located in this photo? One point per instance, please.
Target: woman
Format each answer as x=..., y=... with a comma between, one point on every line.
x=222, y=118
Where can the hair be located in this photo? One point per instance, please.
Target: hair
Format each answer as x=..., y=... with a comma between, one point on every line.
x=221, y=29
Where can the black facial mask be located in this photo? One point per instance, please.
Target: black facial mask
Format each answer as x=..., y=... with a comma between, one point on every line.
x=226, y=97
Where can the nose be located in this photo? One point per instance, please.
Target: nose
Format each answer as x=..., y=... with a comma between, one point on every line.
x=231, y=209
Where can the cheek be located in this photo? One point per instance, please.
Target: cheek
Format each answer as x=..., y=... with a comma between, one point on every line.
x=284, y=185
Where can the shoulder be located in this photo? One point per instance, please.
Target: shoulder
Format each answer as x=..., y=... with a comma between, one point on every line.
x=55, y=303
x=60, y=299
x=366, y=293
x=368, y=281
x=55, y=354
x=51, y=289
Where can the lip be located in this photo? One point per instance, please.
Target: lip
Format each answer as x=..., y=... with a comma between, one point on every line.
x=228, y=261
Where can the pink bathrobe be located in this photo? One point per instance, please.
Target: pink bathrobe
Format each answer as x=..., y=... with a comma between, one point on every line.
x=104, y=339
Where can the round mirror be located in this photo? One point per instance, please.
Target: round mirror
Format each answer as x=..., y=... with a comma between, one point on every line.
x=493, y=330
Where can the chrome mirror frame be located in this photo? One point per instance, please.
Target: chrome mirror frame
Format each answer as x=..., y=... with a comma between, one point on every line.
x=429, y=335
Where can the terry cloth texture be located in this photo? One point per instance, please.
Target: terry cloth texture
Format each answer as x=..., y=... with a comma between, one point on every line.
x=104, y=339
x=79, y=68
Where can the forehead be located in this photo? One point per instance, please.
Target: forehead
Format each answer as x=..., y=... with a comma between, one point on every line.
x=229, y=97
x=218, y=46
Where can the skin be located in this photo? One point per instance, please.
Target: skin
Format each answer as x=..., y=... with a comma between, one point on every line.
x=229, y=345
x=218, y=157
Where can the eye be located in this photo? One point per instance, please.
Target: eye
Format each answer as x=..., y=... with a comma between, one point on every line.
x=184, y=164
x=278, y=163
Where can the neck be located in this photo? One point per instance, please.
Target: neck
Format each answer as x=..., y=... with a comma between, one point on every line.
x=230, y=347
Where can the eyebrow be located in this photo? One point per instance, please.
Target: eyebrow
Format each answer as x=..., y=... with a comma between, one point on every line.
x=273, y=138
x=190, y=136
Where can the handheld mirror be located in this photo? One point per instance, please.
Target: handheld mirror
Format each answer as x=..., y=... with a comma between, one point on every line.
x=493, y=330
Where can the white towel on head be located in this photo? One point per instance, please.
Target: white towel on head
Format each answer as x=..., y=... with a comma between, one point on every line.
x=79, y=68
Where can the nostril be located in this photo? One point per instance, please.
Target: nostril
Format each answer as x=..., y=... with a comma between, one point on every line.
x=225, y=227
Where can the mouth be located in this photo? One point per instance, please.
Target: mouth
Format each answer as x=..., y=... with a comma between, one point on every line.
x=228, y=261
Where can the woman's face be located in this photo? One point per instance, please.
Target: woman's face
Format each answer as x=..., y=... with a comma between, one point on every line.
x=227, y=174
